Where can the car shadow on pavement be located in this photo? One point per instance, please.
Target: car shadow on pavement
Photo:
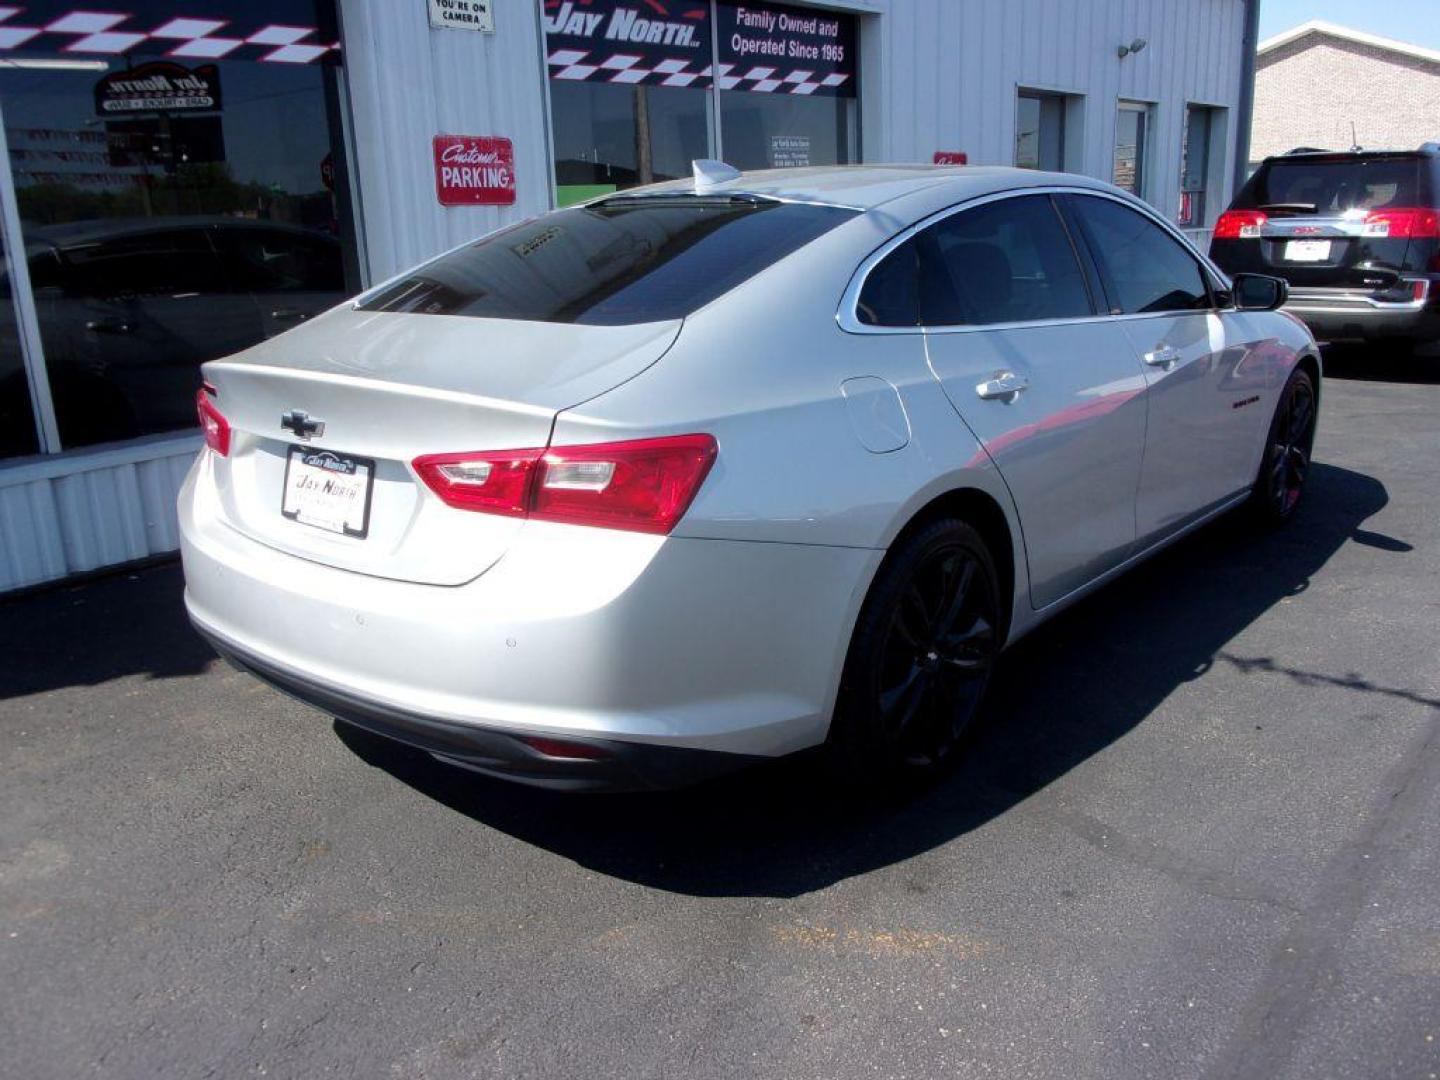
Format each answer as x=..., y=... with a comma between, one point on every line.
x=1061, y=695
x=86, y=633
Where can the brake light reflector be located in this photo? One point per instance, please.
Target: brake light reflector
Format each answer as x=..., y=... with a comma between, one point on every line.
x=1403, y=223
x=643, y=485
x=1239, y=224
x=565, y=749
x=495, y=482
x=212, y=423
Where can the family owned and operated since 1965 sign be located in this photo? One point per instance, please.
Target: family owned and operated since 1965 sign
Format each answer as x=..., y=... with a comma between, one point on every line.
x=474, y=170
x=462, y=15
x=763, y=48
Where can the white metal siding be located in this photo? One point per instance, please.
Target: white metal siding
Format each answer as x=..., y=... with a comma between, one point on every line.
x=65, y=515
x=409, y=83
x=951, y=69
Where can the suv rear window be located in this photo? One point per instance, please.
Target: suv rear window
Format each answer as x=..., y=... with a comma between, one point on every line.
x=1334, y=185
x=626, y=260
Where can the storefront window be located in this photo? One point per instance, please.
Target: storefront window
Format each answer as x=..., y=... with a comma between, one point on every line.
x=610, y=137
x=17, y=416
x=787, y=86
x=174, y=209
x=633, y=100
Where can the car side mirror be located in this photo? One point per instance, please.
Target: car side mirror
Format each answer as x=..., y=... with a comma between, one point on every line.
x=1258, y=292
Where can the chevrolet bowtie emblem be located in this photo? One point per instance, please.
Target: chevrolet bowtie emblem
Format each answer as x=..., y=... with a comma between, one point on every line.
x=302, y=424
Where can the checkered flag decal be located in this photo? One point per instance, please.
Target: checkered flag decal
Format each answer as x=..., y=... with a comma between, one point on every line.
x=578, y=65
x=181, y=37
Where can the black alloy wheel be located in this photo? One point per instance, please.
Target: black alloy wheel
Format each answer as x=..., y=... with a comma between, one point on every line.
x=1286, y=466
x=921, y=657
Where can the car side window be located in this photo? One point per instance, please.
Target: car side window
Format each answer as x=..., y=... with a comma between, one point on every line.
x=1144, y=268
x=891, y=296
x=1005, y=261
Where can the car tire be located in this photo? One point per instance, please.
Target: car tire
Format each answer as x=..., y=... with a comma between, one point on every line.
x=1285, y=466
x=919, y=660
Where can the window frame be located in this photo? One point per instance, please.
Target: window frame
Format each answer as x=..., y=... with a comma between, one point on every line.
x=847, y=314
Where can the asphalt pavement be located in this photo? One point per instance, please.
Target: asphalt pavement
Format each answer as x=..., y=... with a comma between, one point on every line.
x=1197, y=836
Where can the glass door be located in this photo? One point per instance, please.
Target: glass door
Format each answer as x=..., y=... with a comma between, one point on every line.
x=1131, y=121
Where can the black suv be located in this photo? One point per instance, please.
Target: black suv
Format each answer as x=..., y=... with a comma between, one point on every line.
x=1356, y=234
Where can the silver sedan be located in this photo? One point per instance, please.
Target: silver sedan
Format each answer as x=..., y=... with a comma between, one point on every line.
x=727, y=468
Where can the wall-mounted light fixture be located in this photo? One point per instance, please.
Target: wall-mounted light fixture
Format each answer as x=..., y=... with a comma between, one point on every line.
x=1134, y=47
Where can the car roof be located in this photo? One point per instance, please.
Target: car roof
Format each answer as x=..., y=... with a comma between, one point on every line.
x=864, y=187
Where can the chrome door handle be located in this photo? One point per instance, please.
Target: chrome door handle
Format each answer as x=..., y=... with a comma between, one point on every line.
x=1005, y=384
x=1164, y=356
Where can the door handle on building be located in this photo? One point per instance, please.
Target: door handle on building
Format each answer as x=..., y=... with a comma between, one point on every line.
x=1005, y=384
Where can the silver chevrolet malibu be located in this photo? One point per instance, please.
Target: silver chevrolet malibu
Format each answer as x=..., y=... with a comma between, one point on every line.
x=729, y=467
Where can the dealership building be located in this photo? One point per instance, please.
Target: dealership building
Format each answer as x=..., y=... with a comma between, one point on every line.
x=184, y=178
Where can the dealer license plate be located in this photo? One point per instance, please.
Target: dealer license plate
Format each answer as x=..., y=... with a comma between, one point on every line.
x=328, y=490
x=1307, y=250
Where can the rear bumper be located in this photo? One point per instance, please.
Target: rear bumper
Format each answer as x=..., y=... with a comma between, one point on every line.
x=728, y=647
x=615, y=766
x=1340, y=315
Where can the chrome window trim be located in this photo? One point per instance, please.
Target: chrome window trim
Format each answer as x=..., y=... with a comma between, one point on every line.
x=848, y=316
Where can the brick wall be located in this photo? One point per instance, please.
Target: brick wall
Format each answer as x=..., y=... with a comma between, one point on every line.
x=1309, y=90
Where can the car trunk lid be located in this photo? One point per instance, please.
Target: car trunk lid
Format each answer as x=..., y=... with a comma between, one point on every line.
x=354, y=397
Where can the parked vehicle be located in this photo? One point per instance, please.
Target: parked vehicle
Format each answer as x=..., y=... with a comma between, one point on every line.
x=723, y=469
x=1356, y=235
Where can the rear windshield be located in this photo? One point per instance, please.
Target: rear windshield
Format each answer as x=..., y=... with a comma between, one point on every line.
x=623, y=261
x=1334, y=186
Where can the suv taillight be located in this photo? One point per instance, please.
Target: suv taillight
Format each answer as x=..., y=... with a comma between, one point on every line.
x=212, y=423
x=1404, y=223
x=644, y=485
x=1239, y=225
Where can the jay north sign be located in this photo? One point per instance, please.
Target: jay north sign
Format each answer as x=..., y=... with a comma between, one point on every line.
x=652, y=25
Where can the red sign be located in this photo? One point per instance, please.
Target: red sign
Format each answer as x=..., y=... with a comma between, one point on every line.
x=951, y=157
x=474, y=170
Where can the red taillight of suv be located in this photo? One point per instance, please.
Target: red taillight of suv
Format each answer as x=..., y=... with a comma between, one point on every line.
x=212, y=423
x=1239, y=225
x=1404, y=223
x=643, y=485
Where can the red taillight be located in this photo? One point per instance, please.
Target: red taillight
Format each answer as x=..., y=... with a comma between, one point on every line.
x=496, y=482
x=212, y=423
x=1404, y=223
x=644, y=485
x=1239, y=225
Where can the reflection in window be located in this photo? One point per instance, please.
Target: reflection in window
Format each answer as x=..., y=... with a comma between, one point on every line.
x=157, y=239
x=609, y=137
x=1145, y=268
x=17, y=417
x=617, y=262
